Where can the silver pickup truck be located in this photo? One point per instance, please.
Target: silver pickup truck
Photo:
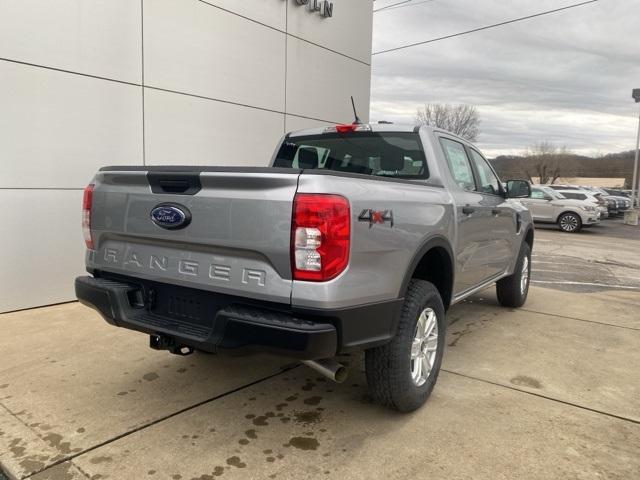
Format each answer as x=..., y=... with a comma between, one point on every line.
x=357, y=237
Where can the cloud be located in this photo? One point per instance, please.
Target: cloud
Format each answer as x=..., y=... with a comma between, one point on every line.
x=565, y=77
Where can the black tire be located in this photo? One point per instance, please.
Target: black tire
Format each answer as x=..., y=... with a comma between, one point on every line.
x=389, y=367
x=570, y=222
x=509, y=289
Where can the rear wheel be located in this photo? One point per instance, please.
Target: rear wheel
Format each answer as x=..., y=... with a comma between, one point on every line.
x=570, y=222
x=402, y=373
x=512, y=291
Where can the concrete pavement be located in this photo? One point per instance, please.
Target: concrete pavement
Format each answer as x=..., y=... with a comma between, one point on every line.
x=602, y=258
x=547, y=391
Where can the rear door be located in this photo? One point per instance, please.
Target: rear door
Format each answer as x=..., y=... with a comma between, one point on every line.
x=237, y=239
x=500, y=226
x=472, y=241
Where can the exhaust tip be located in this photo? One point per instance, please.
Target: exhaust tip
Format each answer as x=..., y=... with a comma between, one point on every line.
x=329, y=368
x=341, y=374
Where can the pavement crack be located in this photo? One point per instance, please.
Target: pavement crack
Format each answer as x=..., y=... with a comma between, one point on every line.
x=578, y=319
x=608, y=261
x=79, y=469
x=161, y=419
x=546, y=397
x=17, y=417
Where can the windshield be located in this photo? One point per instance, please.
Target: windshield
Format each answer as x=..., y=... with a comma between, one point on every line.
x=389, y=154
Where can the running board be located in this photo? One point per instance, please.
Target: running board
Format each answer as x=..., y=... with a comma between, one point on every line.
x=482, y=286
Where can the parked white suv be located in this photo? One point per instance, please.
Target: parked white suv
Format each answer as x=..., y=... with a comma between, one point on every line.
x=590, y=197
x=550, y=206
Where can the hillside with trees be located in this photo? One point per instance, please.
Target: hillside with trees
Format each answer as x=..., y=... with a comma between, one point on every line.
x=542, y=162
x=559, y=163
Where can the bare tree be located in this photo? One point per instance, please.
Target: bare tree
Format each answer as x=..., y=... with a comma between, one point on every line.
x=544, y=160
x=463, y=120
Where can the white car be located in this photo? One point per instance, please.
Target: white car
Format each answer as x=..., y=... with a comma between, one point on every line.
x=549, y=206
x=586, y=195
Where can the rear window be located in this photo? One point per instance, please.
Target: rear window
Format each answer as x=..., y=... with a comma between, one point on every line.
x=398, y=155
x=575, y=196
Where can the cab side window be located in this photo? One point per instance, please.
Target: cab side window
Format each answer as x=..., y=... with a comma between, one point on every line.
x=489, y=183
x=458, y=162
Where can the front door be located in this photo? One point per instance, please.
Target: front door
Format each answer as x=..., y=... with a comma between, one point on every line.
x=539, y=205
x=501, y=225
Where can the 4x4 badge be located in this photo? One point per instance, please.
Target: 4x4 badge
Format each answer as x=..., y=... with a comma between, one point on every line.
x=376, y=216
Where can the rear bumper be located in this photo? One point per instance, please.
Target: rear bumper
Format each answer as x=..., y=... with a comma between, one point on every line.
x=223, y=321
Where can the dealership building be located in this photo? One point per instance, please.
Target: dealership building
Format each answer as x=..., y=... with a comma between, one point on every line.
x=89, y=83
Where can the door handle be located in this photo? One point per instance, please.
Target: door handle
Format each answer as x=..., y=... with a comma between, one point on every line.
x=495, y=211
x=468, y=210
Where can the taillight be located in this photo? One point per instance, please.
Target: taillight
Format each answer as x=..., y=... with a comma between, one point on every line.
x=87, y=200
x=320, y=231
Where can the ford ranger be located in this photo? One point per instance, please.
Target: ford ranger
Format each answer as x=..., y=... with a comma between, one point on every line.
x=356, y=237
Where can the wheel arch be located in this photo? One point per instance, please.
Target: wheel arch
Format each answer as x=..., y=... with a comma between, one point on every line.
x=433, y=262
x=568, y=211
x=573, y=212
x=529, y=236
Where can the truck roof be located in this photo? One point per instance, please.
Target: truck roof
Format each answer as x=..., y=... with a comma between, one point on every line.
x=377, y=127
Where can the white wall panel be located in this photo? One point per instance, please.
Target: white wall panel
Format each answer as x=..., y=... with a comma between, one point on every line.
x=184, y=130
x=298, y=123
x=348, y=31
x=42, y=247
x=269, y=12
x=96, y=37
x=57, y=129
x=320, y=83
x=192, y=47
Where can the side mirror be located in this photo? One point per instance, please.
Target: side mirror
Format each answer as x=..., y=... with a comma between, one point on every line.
x=548, y=198
x=518, y=189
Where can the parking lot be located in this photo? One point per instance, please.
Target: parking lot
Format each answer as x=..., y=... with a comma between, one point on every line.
x=603, y=257
x=547, y=391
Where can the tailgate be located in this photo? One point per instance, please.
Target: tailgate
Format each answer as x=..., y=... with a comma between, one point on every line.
x=236, y=242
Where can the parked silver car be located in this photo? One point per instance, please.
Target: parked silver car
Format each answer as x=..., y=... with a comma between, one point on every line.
x=549, y=206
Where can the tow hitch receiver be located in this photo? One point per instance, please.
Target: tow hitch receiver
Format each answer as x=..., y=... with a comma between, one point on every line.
x=160, y=342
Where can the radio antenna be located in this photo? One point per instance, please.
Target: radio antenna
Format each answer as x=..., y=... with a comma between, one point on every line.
x=357, y=121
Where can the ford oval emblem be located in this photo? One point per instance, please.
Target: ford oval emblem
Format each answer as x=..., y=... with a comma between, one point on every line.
x=170, y=216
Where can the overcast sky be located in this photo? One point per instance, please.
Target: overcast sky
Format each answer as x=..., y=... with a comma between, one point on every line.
x=565, y=77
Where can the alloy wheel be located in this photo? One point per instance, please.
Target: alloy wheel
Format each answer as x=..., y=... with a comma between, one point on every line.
x=524, y=277
x=424, y=347
x=568, y=223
